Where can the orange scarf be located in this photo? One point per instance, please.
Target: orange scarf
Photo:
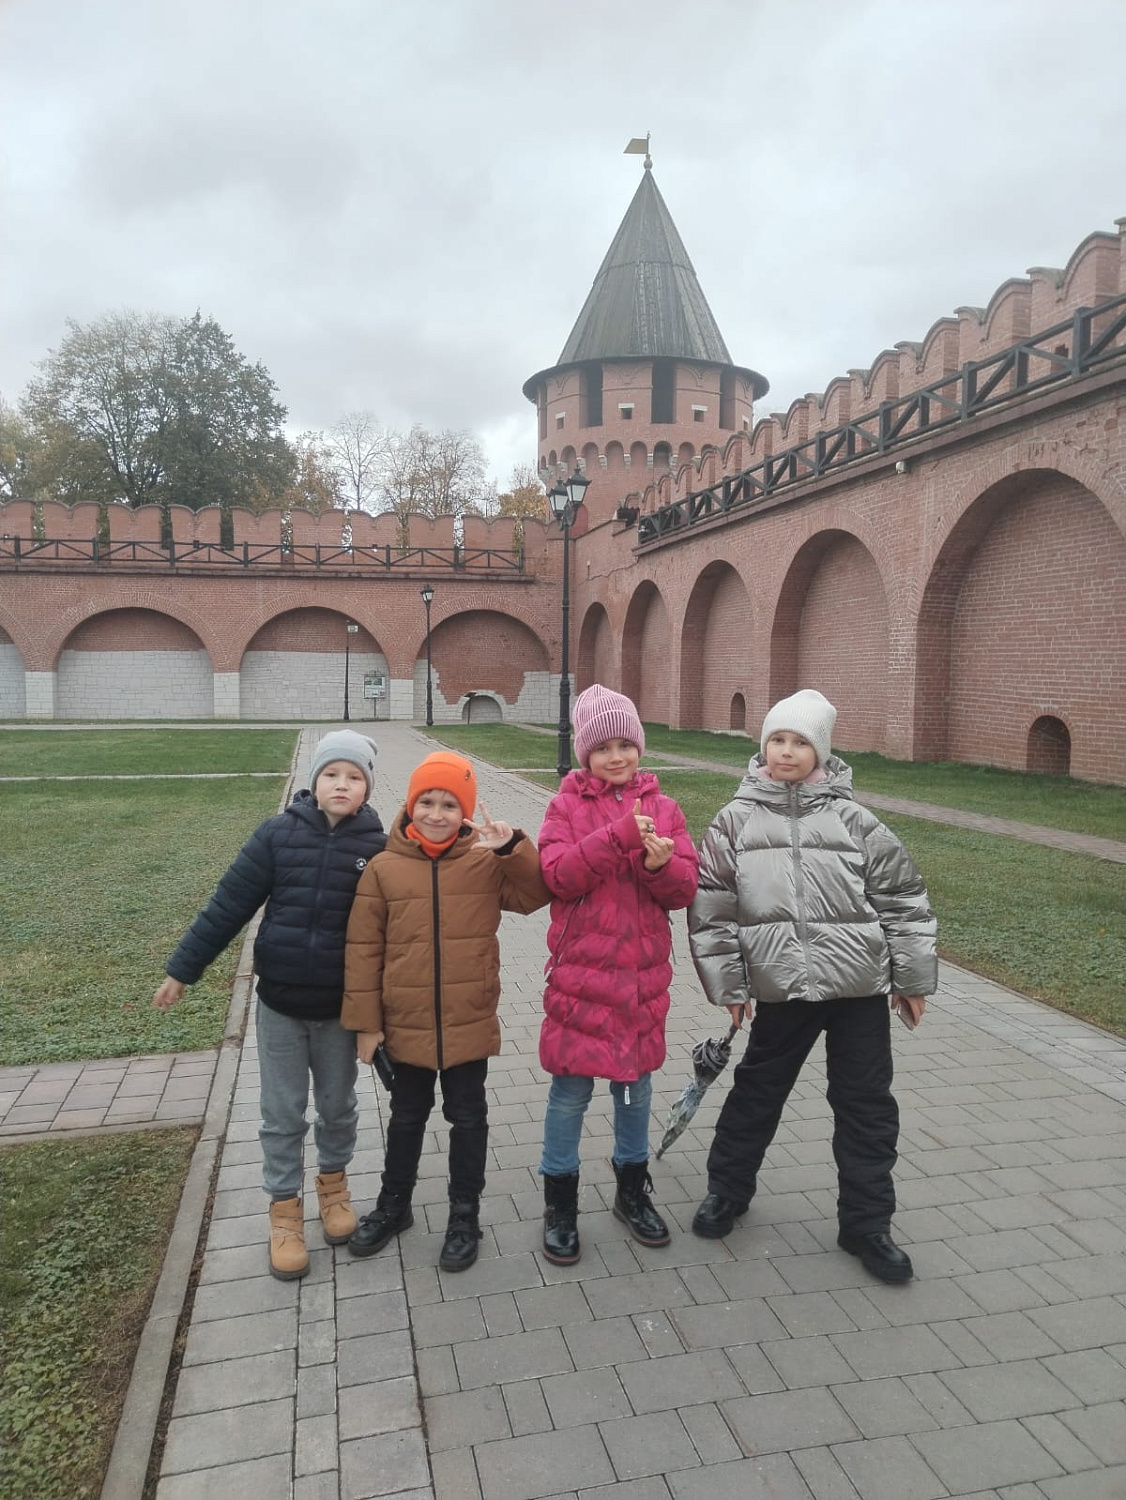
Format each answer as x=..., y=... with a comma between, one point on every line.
x=428, y=847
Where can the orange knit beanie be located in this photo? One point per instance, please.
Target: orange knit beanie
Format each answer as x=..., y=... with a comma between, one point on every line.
x=447, y=772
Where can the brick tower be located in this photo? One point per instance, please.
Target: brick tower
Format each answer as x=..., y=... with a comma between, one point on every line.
x=644, y=381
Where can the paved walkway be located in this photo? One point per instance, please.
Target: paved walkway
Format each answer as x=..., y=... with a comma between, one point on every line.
x=767, y=1365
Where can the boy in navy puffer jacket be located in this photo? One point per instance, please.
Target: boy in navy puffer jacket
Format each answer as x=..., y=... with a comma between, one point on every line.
x=304, y=864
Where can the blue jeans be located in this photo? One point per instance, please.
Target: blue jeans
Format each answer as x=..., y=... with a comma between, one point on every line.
x=289, y=1050
x=563, y=1123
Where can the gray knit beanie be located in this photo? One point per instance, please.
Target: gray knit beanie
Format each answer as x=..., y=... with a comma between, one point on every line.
x=345, y=744
x=808, y=713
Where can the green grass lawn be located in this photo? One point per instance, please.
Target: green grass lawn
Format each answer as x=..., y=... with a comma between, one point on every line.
x=83, y=1233
x=1051, y=801
x=116, y=752
x=100, y=881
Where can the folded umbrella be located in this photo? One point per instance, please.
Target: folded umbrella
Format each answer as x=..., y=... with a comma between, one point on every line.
x=709, y=1058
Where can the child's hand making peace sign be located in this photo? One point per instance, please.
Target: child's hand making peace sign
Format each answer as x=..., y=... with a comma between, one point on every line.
x=490, y=834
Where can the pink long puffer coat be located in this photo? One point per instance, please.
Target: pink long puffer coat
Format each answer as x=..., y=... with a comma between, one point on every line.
x=609, y=942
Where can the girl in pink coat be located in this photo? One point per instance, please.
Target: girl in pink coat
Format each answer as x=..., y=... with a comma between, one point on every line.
x=617, y=858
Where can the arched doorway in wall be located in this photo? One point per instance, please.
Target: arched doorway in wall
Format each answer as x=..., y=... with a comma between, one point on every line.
x=738, y=712
x=596, y=661
x=482, y=708
x=717, y=625
x=647, y=653
x=830, y=632
x=492, y=656
x=1031, y=575
x=13, y=692
x=1049, y=747
x=295, y=668
x=134, y=664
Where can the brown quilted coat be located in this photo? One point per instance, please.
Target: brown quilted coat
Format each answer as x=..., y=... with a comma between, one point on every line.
x=422, y=961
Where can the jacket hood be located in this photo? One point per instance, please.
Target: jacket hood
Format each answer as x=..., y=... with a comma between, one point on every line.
x=587, y=784
x=304, y=806
x=758, y=787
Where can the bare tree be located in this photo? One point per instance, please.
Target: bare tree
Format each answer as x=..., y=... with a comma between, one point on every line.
x=358, y=445
x=432, y=474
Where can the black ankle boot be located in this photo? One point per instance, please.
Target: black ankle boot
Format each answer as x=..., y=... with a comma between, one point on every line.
x=633, y=1207
x=879, y=1255
x=560, y=1219
x=463, y=1235
x=391, y=1214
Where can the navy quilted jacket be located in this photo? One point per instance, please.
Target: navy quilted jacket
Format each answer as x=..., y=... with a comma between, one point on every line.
x=306, y=873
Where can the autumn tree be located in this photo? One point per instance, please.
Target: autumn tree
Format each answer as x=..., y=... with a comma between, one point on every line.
x=358, y=448
x=146, y=409
x=314, y=479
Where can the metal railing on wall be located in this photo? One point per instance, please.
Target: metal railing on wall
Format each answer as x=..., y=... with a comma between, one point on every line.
x=16, y=551
x=979, y=386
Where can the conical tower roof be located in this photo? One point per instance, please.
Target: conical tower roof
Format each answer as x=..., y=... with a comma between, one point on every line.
x=646, y=300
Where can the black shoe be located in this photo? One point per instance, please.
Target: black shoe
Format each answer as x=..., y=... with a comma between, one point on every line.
x=463, y=1235
x=390, y=1216
x=633, y=1207
x=560, y=1219
x=716, y=1217
x=878, y=1254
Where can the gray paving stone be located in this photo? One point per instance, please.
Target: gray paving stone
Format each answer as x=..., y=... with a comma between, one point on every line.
x=518, y=1356
x=646, y=1291
x=379, y=1356
x=324, y=1486
x=680, y=1380
x=437, y=1373
x=527, y=1409
x=237, y=1382
x=316, y=1391
x=455, y=1475
x=774, y=1475
x=606, y=1341
x=894, y=1351
x=237, y=1299
x=586, y=1396
x=721, y=1324
x=807, y=1361
x=1102, y=1429
x=810, y=1313
x=1104, y=1484
x=447, y=1323
x=992, y=1453
x=382, y=1406
x=529, y=1468
x=1016, y=1388
x=466, y=1418
x=383, y=1465
x=233, y=1338
x=655, y=1444
x=229, y=1436
x=316, y=1344
x=264, y=1476
x=552, y=1307
x=501, y=1315
x=1057, y=1439
x=886, y=1468
x=710, y=1434
x=780, y=1422
x=377, y=1312
x=315, y=1445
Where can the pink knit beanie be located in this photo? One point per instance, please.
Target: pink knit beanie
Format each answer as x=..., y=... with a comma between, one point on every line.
x=599, y=715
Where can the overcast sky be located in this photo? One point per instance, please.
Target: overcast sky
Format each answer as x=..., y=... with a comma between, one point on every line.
x=401, y=207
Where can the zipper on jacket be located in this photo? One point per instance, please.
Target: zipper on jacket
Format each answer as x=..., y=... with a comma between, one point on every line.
x=799, y=890
x=437, y=961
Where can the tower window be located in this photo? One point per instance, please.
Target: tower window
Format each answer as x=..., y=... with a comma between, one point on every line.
x=560, y=418
x=699, y=413
x=591, y=388
x=727, y=400
x=625, y=410
x=664, y=390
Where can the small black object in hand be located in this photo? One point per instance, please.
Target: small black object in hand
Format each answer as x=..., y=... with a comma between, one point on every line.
x=383, y=1067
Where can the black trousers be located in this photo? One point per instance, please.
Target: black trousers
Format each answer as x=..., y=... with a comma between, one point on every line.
x=465, y=1107
x=865, y=1114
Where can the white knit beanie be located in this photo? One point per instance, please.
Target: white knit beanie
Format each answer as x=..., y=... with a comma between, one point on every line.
x=345, y=744
x=808, y=713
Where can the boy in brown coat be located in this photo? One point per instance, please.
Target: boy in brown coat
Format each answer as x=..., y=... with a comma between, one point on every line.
x=422, y=976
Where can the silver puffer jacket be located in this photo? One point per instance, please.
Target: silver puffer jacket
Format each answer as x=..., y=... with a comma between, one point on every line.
x=805, y=895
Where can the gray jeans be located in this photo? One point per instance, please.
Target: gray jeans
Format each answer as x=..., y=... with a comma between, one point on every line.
x=289, y=1049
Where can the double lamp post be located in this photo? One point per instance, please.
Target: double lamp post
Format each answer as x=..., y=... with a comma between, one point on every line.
x=565, y=499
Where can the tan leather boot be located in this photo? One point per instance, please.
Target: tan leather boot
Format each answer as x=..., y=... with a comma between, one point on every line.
x=337, y=1219
x=288, y=1257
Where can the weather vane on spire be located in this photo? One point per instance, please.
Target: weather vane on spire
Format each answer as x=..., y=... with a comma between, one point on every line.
x=639, y=147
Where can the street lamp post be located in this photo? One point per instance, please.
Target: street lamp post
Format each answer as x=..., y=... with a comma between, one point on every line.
x=565, y=499
x=350, y=630
x=427, y=592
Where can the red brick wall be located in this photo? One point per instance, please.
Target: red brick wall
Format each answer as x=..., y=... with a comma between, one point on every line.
x=480, y=650
x=842, y=644
x=132, y=630
x=310, y=630
x=656, y=660
x=1040, y=628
